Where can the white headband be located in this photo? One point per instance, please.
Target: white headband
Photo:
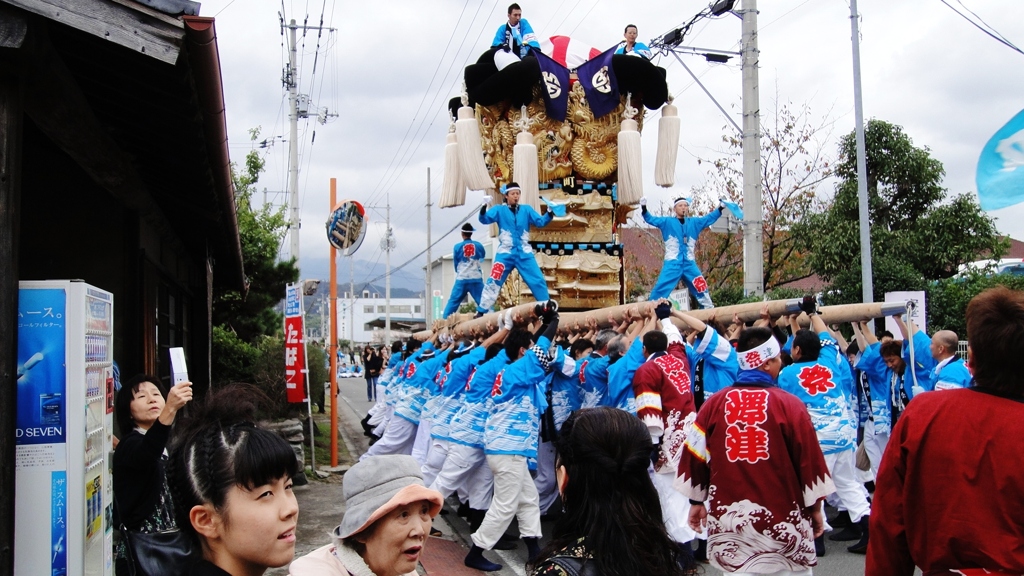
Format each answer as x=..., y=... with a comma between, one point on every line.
x=754, y=359
x=678, y=200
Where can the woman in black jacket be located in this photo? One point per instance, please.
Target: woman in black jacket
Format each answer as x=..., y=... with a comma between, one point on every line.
x=142, y=500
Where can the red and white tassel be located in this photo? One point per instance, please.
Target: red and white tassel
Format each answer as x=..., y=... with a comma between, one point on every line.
x=668, y=146
x=631, y=181
x=471, y=155
x=453, y=189
x=524, y=163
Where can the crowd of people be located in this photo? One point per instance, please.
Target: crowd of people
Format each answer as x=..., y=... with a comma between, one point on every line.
x=752, y=428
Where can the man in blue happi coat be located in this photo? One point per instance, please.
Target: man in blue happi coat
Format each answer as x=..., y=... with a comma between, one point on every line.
x=468, y=278
x=630, y=47
x=516, y=35
x=680, y=235
x=514, y=251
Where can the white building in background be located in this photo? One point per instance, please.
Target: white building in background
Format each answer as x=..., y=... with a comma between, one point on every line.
x=442, y=269
x=361, y=320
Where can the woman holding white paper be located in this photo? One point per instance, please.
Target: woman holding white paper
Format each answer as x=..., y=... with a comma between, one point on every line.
x=142, y=500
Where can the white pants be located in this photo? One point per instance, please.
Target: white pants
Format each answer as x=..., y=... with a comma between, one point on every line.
x=675, y=508
x=547, y=486
x=397, y=439
x=515, y=495
x=435, y=460
x=421, y=444
x=466, y=468
x=385, y=416
x=875, y=445
x=842, y=468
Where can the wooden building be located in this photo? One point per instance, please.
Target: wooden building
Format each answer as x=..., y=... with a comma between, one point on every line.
x=114, y=169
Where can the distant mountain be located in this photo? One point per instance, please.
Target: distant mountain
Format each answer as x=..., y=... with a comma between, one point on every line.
x=410, y=279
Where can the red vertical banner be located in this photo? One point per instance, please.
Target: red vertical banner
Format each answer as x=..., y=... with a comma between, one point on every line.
x=294, y=347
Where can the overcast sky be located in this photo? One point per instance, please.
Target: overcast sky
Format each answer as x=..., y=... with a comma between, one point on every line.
x=391, y=67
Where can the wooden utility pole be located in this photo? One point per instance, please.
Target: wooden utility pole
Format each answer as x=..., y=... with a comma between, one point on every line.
x=13, y=29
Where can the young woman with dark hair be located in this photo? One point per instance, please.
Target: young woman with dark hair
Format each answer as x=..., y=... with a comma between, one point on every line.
x=142, y=500
x=612, y=524
x=232, y=487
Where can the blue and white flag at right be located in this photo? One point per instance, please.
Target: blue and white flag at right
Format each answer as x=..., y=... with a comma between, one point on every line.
x=1001, y=167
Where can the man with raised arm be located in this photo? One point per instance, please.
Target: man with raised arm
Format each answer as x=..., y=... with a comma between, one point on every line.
x=514, y=251
x=680, y=236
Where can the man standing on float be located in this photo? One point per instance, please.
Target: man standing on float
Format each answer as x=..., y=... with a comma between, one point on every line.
x=514, y=250
x=680, y=236
x=468, y=278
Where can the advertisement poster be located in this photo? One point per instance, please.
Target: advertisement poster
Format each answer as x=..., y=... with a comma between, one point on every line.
x=294, y=346
x=41, y=369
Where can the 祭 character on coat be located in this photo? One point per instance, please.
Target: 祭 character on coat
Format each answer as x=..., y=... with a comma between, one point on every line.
x=468, y=278
x=680, y=236
x=514, y=251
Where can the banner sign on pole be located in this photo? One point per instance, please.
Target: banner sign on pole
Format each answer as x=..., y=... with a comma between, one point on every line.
x=294, y=346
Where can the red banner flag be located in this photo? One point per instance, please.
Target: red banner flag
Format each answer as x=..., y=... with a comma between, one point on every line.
x=294, y=347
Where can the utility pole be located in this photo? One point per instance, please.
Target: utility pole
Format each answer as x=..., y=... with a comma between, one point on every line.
x=352, y=297
x=387, y=245
x=291, y=80
x=753, y=241
x=428, y=307
x=867, y=283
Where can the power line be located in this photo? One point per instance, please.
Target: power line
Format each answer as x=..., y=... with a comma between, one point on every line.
x=986, y=28
x=445, y=235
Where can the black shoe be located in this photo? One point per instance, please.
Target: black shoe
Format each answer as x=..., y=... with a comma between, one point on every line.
x=701, y=553
x=444, y=512
x=819, y=546
x=463, y=510
x=842, y=520
x=435, y=532
x=848, y=534
x=532, y=549
x=861, y=547
x=478, y=315
x=475, y=559
x=475, y=518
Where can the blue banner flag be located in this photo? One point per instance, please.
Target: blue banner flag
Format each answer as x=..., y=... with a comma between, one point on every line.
x=556, y=209
x=734, y=208
x=555, y=79
x=598, y=79
x=1001, y=167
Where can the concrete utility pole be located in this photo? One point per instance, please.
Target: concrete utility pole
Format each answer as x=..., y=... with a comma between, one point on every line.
x=753, y=240
x=428, y=307
x=867, y=282
x=352, y=297
x=291, y=80
x=388, y=245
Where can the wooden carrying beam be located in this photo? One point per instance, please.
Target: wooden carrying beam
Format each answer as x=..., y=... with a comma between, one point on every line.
x=607, y=317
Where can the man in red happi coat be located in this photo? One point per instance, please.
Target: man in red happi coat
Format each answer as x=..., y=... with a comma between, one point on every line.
x=664, y=401
x=950, y=490
x=754, y=456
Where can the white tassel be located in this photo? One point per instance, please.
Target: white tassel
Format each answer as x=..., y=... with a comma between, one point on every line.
x=471, y=155
x=631, y=182
x=453, y=189
x=524, y=164
x=668, y=146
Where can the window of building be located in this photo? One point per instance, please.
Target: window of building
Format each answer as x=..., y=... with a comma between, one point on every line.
x=419, y=309
x=367, y=309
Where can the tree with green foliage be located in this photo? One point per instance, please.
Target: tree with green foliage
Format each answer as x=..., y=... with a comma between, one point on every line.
x=948, y=298
x=242, y=319
x=918, y=233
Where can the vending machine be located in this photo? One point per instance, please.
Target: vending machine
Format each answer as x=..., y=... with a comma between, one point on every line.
x=63, y=511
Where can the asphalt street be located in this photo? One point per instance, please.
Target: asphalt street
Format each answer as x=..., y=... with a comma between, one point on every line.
x=353, y=406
